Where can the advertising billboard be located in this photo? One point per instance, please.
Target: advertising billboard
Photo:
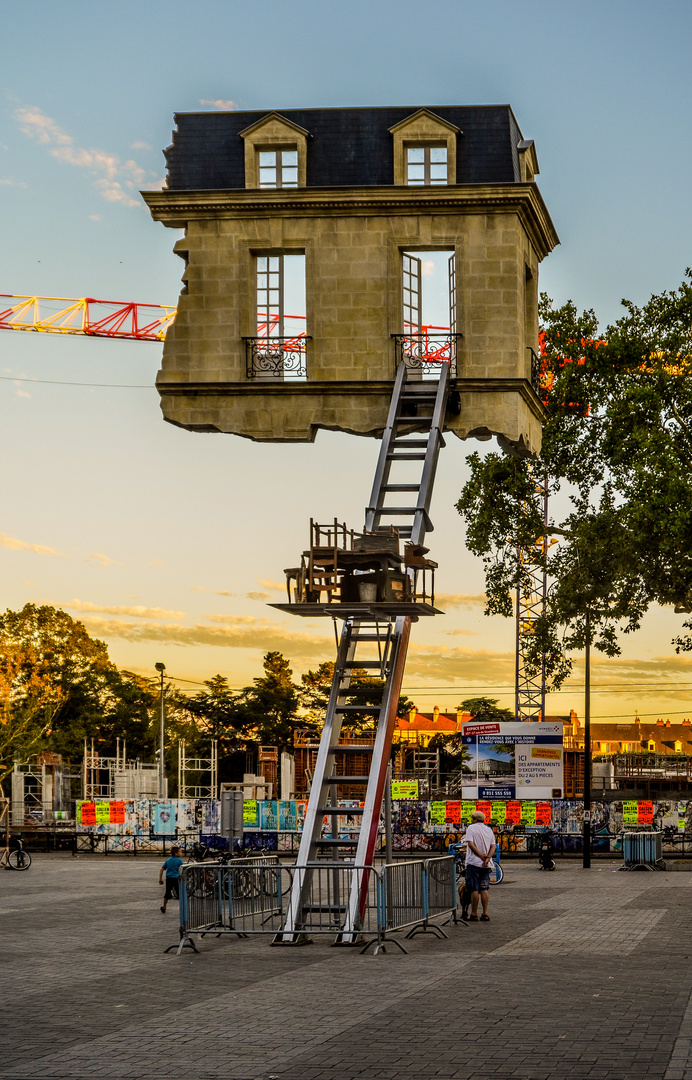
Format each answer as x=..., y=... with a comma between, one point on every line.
x=512, y=761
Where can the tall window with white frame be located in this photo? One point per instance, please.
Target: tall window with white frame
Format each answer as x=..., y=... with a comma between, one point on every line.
x=429, y=309
x=278, y=168
x=426, y=166
x=279, y=348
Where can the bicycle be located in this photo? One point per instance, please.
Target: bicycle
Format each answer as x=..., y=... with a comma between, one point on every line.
x=458, y=853
x=247, y=882
x=14, y=856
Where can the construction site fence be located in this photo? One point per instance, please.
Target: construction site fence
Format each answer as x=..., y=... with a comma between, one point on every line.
x=252, y=896
x=418, y=825
x=674, y=842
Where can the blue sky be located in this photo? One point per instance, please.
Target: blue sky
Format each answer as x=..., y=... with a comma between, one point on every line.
x=149, y=524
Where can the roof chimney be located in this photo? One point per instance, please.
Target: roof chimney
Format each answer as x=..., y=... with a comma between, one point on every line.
x=412, y=715
x=436, y=714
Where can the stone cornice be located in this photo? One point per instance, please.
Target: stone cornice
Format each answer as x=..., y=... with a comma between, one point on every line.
x=250, y=388
x=176, y=208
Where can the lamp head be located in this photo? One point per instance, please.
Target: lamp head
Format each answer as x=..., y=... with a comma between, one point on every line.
x=160, y=667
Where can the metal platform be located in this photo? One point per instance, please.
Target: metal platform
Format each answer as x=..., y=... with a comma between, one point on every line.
x=386, y=610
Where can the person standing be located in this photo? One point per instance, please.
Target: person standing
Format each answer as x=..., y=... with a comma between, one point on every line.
x=172, y=869
x=480, y=848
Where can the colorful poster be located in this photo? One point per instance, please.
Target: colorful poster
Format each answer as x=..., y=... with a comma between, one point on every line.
x=513, y=761
x=453, y=812
x=528, y=813
x=287, y=816
x=210, y=816
x=467, y=808
x=404, y=789
x=438, y=813
x=86, y=813
x=268, y=819
x=513, y=813
x=485, y=808
x=251, y=814
x=117, y=812
x=543, y=813
x=630, y=813
x=164, y=818
x=498, y=813
x=646, y=813
x=103, y=812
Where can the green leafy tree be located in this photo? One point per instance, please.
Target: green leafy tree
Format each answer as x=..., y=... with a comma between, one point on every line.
x=617, y=447
x=214, y=713
x=58, y=687
x=267, y=711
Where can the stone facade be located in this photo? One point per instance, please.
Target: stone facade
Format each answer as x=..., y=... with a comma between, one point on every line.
x=353, y=240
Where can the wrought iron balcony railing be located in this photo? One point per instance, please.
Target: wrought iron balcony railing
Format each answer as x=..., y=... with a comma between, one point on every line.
x=425, y=352
x=280, y=358
x=535, y=370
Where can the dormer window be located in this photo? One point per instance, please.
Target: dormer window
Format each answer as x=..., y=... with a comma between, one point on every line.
x=426, y=165
x=275, y=153
x=425, y=150
x=278, y=168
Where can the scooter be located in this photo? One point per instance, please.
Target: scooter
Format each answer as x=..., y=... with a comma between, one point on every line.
x=545, y=852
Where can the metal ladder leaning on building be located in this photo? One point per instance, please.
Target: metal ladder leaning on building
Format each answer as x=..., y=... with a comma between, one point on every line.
x=390, y=639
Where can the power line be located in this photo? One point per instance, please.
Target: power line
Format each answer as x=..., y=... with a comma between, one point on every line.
x=59, y=382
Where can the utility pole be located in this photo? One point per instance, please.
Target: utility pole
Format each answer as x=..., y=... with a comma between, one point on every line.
x=586, y=863
x=162, y=767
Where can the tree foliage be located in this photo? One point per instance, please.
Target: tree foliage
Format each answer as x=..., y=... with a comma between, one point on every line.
x=617, y=448
x=58, y=687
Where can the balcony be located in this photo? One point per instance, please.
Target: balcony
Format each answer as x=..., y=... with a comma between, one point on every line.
x=424, y=353
x=280, y=359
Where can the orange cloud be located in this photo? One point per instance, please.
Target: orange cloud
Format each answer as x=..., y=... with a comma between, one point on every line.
x=13, y=544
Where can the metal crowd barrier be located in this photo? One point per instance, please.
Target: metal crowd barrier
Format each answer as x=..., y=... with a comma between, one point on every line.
x=253, y=896
x=643, y=849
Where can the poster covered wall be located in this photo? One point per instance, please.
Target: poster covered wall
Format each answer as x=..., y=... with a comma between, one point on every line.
x=508, y=761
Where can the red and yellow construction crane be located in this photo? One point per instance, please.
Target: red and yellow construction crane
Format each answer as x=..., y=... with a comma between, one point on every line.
x=95, y=318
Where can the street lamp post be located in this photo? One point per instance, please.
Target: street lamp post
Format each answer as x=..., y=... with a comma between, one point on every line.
x=162, y=768
x=586, y=863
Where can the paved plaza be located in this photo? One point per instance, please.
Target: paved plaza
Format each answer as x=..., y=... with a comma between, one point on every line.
x=579, y=974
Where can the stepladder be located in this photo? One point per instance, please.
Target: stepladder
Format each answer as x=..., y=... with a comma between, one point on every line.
x=369, y=666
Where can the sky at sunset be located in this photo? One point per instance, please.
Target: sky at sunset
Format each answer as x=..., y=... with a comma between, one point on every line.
x=169, y=545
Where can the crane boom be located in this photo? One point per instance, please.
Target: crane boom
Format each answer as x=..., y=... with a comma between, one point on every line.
x=124, y=320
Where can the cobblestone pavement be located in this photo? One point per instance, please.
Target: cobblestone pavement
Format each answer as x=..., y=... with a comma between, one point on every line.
x=580, y=974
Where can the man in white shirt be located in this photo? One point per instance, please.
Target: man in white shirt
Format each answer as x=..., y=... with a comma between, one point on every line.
x=480, y=848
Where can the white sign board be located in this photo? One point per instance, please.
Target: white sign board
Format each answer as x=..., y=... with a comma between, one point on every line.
x=512, y=761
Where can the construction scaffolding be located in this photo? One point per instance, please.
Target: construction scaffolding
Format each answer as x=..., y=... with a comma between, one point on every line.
x=117, y=778
x=195, y=787
x=532, y=594
x=41, y=790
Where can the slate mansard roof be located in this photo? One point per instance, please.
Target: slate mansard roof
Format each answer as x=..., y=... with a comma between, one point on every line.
x=346, y=148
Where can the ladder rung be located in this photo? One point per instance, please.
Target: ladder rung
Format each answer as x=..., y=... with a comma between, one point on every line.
x=315, y=909
x=411, y=443
x=374, y=709
x=398, y=510
x=400, y=487
x=414, y=395
x=333, y=780
x=331, y=842
x=406, y=457
x=338, y=810
x=351, y=748
x=370, y=664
